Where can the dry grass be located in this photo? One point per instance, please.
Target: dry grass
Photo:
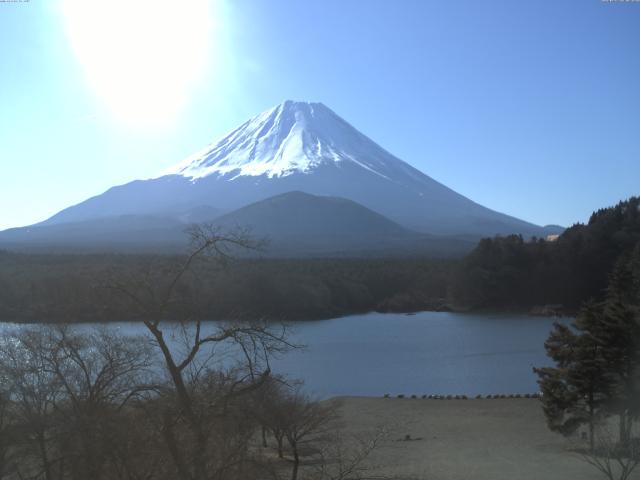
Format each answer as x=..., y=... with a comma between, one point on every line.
x=466, y=439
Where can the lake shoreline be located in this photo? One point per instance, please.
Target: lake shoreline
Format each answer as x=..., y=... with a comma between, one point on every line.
x=440, y=353
x=410, y=312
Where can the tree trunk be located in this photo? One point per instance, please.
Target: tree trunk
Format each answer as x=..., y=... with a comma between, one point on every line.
x=174, y=371
x=296, y=462
x=200, y=457
x=172, y=445
x=279, y=439
x=625, y=428
x=591, y=424
x=46, y=467
x=185, y=403
x=264, y=437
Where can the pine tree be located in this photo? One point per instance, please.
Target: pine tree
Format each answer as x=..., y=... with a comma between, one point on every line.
x=575, y=391
x=618, y=331
x=597, y=371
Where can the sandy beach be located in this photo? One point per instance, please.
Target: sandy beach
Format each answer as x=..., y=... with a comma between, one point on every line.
x=466, y=439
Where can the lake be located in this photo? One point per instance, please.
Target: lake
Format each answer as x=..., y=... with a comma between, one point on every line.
x=423, y=353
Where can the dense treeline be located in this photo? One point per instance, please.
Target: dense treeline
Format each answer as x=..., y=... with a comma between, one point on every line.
x=509, y=272
x=76, y=287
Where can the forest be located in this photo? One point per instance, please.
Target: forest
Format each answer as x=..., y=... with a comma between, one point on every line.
x=70, y=288
x=502, y=273
x=511, y=273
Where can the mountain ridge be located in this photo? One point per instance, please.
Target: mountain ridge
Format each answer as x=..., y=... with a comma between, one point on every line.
x=295, y=224
x=300, y=146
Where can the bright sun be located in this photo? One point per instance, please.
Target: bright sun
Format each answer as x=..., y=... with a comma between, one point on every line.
x=141, y=57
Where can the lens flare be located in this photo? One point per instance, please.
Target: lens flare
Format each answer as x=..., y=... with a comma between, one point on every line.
x=141, y=58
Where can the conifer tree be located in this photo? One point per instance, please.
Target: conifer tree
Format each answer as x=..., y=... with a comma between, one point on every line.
x=597, y=370
x=618, y=331
x=575, y=391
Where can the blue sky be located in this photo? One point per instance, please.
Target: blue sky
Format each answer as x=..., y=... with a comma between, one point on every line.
x=531, y=108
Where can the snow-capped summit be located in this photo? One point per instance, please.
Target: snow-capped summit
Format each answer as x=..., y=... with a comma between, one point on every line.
x=293, y=137
x=305, y=147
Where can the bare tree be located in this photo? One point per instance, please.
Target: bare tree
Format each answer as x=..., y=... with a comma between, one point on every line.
x=616, y=461
x=7, y=434
x=307, y=422
x=269, y=410
x=98, y=374
x=348, y=458
x=195, y=404
x=33, y=391
x=66, y=392
x=311, y=434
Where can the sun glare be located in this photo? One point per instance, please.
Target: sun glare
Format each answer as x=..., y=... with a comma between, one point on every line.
x=141, y=57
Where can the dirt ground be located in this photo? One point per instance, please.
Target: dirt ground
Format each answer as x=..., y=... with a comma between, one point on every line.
x=466, y=440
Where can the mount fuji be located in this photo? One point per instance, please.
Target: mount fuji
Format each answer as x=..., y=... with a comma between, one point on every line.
x=294, y=147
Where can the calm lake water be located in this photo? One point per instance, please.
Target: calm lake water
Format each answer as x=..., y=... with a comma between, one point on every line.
x=424, y=353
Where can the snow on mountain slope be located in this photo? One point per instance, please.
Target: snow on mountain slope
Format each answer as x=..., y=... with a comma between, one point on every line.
x=292, y=137
x=300, y=146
